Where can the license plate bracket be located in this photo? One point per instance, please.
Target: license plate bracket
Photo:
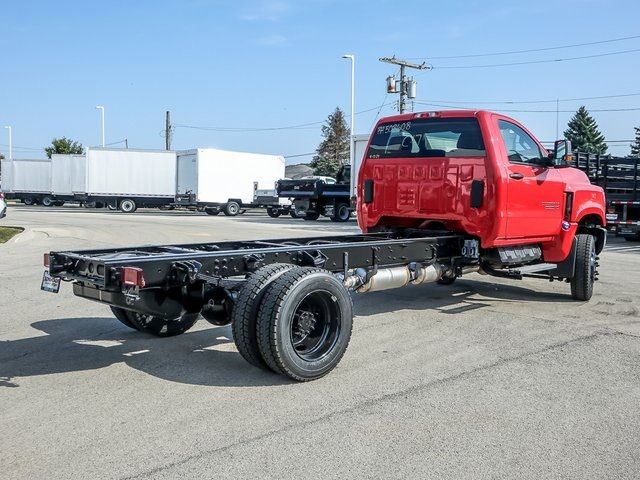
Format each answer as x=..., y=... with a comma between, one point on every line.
x=50, y=283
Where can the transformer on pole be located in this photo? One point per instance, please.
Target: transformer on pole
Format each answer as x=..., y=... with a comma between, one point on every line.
x=406, y=87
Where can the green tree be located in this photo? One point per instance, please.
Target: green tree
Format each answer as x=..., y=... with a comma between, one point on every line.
x=583, y=132
x=333, y=151
x=635, y=146
x=63, y=145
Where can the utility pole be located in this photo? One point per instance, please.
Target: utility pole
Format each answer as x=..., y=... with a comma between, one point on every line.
x=167, y=131
x=407, y=85
x=352, y=58
x=126, y=143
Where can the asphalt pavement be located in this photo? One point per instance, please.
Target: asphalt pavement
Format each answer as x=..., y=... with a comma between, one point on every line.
x=486, y=378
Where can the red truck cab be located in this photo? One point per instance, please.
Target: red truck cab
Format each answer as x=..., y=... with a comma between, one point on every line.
x=478, y=173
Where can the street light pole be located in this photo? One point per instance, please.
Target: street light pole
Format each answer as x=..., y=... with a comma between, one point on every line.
x=101, y=108
x=8, y=127
x=352, y=58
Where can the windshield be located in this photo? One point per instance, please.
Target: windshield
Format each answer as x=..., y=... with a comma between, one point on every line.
x=428, y=137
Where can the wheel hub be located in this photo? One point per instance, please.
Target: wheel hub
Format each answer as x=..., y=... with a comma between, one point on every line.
x=305, y=322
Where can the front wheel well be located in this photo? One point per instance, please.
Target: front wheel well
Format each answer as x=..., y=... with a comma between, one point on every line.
x=592, y=224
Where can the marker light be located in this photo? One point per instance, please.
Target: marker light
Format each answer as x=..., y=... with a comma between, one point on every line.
x=133, y=277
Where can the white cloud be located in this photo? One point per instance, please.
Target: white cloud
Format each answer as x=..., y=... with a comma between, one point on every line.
x=271, y=40
x=265, y=10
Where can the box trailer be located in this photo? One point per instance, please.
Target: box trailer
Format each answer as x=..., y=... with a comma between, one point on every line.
x=218, y=180
x=28, y=180
x=68, y=177
x=130, y=178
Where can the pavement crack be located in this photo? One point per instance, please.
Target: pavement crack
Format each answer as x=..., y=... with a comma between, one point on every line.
x=373, y=401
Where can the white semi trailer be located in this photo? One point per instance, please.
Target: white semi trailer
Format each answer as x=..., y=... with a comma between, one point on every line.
x=130, y=178
x=28, y=180
x=223, y=181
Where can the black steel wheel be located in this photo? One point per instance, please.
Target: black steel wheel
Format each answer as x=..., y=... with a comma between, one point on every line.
x=128, y=205
x=311, y=216
x=48, y=201
x=341, y=213
x=161, y=327
x=29, y=201
x=304, y=323
x=273, y=212
x=585, y=271
x=245, y=311
x=231, y=209
x=123, y=316
x=211, y=211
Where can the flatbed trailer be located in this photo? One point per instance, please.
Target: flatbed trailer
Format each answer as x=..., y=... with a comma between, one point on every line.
x=619, y=177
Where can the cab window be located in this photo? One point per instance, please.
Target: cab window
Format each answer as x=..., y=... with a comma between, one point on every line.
x=521, y=148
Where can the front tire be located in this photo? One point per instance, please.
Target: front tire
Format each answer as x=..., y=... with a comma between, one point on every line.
x=128, y=205
x=585, y=271
x=304, y=323
x=232, y=209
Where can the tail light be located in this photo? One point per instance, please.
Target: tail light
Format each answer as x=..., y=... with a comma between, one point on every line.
x=1, y=196
x=133, y=277
x=47, y=260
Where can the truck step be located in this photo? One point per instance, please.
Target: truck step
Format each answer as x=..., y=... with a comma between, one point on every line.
x=538, y=267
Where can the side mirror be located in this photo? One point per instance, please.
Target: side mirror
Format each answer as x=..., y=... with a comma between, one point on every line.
x=562, y=155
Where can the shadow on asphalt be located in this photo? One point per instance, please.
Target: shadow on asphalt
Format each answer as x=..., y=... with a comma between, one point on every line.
x=201, y=357
x=208, y=357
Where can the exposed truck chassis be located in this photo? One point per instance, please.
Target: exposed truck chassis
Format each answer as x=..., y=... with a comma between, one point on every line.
x=303, y=284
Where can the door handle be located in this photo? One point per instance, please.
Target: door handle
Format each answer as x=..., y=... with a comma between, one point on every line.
x=516, y=176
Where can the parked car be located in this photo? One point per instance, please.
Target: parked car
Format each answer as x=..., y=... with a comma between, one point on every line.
x=3, y=206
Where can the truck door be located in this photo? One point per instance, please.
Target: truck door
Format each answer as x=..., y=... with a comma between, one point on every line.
x=535, y=192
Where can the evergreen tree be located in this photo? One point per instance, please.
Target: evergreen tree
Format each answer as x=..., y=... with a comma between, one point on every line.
x=333, y=151
x=63, y=145
x=584, y=134
x=635, y=146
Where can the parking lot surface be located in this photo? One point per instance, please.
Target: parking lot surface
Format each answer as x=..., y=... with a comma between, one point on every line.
x=485, y=378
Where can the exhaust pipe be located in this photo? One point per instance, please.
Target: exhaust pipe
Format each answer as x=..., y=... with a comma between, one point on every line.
x=395, y=277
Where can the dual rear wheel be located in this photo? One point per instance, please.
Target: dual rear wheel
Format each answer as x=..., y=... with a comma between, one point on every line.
x=295, y=321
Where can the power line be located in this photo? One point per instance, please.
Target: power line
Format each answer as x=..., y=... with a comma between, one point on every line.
x=300, y=126
x=530, y=50
x=531, y=62
x=633, y=109
x=509, y=102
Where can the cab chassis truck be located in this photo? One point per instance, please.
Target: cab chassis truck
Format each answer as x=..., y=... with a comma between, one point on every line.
x=440, y=195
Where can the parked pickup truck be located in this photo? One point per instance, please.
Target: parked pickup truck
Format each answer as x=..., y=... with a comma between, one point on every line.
x=440, y=195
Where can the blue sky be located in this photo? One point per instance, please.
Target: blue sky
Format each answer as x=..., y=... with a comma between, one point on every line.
x=271, y=63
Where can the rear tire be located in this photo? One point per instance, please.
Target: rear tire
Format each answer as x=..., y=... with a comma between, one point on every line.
x=47, y=201
x=161, y=327
x=232, y=209
x=245, y=311
x=122, y=315
x=341, y=213
x=128, y=205
x=273, y=212
x=211, y=211
x=29, y=201
x=304, y=323
x=585, y=272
